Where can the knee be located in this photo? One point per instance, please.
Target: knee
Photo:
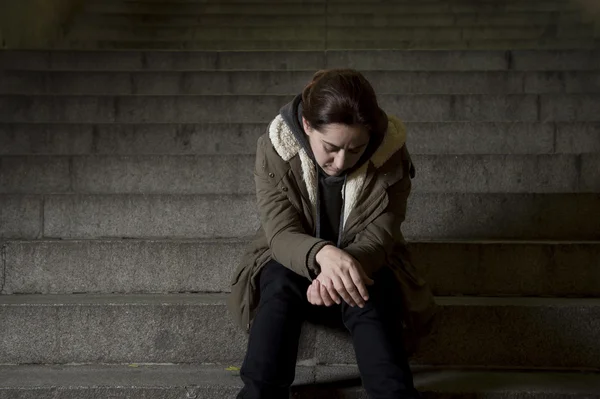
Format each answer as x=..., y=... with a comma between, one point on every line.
x=277, y=281
x=386, y=288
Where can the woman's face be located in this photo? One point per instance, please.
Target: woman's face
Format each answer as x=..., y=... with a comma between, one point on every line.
x=337, y=147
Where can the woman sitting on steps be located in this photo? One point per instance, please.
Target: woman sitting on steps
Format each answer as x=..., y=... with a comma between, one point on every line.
x=332, y=179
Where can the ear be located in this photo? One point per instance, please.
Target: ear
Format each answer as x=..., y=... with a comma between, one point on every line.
x=307, y=128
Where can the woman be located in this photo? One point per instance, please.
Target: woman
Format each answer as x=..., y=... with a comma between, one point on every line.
x=332, y=179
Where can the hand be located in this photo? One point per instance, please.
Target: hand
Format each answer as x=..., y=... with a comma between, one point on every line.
x=317, y=294
x=341, y=276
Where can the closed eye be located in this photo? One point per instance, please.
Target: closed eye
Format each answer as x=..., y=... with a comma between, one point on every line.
x=331, y=148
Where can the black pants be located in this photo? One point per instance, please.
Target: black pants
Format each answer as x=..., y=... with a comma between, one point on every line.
x=269, y=366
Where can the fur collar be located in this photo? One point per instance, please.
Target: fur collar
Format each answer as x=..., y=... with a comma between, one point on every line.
x=287, y=147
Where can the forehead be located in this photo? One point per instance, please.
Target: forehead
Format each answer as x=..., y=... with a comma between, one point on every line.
x=342, y=135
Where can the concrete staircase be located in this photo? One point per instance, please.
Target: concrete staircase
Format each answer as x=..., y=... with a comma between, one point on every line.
x=126, y=194
x=332, y=24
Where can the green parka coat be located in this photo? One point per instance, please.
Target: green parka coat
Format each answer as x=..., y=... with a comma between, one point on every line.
x=375, y=197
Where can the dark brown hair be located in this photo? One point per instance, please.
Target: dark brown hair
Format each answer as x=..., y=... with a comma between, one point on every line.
x=342, y=96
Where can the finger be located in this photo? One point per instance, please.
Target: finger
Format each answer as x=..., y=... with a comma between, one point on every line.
x=360, y=285
x=366, y=279
x=354, y=289
x=309, y=294
x=317, y=294
x=338, y=284
x=347, y=288
x=341, y=289
x=333, y=294
x=325, y=296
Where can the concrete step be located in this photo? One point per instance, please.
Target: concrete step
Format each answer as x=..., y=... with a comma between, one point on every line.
x=295, y=8
x=338, y=20
x=479, y=268
x=430, y=216
x=353, y=44
x=207, y=20
x=475, y=44
x=227, y=174
x=457, y=7
x=314, y=382
x=240, y=138
x=335, y=8
x=400, y=2
x=465, y=33
x=204, y=45
x=195, y=328
x=259, y=108
x=309, y=34
x=381, y=60
x=292, y=82
x=185, y=34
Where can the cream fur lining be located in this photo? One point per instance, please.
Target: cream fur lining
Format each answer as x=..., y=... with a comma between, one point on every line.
x=287, y=147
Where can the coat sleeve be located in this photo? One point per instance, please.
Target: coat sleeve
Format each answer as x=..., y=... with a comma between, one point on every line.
x=289, y=243
x=372, y=246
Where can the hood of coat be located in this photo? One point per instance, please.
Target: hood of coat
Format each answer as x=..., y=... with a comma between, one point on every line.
x=288, y=138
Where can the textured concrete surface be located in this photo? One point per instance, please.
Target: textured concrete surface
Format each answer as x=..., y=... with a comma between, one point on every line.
x=510, y=268
x=338, y=20
x=180, y=328
x=191, y=174
x=429, y=215
x=590, y=172
x=324, y=34
x=481, y=138
x=501, y=332
x=208, y=8
x=210, y=34
x=257, y=108
x=451, y=7
x=581, y=43
x=152, y=216
x=514, y=332
x=151, y=381
x=176, y=381
x=334, y=8
x=459, y=138
x=578, y=137
x=555, y=60
x=495, y=216
x=292, y=82
x=186, y=174
x=434, y=33
x=466, y=60
x=242, y=21
x=451, y=268
x=163, y=60
x=125, y=266
x=114, y=139
x=35, y=174
x=569, y=108
x=391, y=60
x=20, y=216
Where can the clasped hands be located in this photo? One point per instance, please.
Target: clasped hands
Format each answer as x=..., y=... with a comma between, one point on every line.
x=341, y=277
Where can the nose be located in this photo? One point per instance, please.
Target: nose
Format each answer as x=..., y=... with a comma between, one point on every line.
x=339, y=161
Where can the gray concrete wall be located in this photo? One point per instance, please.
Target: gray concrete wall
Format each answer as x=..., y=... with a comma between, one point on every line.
x=33, y=23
